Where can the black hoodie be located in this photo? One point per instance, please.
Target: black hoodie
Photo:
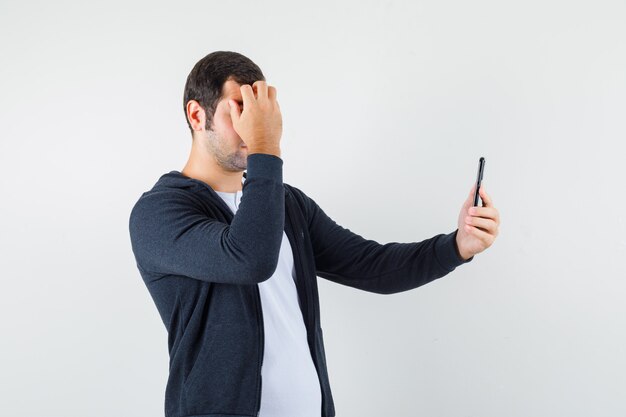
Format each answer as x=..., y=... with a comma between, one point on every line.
x=201, y=265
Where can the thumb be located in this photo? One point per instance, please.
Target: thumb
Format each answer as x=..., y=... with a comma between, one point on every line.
x=472, y=191
x=234, y=111
x=470, y=198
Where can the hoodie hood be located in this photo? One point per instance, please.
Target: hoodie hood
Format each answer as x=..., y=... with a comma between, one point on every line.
x=178, y=180
x=175, y=181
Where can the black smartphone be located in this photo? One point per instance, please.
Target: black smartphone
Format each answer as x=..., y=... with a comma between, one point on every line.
x=479, y=179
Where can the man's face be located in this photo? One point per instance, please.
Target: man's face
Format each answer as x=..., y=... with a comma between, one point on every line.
x=222, y=140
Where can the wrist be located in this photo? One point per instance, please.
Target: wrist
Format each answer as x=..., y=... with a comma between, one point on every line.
x=464, y=255
x=266, y=150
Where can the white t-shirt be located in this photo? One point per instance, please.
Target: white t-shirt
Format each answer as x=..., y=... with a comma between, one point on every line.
x=290, y=384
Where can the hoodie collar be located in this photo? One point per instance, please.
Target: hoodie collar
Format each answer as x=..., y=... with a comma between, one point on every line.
x=178, y=180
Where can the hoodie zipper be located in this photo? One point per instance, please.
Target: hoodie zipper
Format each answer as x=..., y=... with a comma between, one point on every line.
x=297, y=237
x=261, y=347
x=307, y=289
x=310, y=315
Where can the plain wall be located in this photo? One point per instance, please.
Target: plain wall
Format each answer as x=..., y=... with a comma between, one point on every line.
x=387, y=107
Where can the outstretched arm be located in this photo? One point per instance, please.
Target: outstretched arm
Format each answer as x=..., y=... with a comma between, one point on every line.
x=347, y=258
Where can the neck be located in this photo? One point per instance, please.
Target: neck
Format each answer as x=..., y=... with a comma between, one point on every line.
x=203, y=166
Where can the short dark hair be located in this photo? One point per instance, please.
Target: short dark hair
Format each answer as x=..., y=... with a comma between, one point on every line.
x=206, y=80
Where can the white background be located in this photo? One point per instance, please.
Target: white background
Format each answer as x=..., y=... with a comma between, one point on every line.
x=387, y=107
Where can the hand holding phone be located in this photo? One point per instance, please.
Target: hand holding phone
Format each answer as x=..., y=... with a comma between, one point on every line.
x=477, y=227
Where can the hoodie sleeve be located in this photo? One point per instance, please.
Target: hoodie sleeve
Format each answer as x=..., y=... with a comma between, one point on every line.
x=347, y=258
x=170, y=234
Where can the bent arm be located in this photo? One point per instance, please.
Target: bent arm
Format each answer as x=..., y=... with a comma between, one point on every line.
x=170, y=234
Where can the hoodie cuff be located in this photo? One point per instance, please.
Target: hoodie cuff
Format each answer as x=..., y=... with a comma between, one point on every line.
x=264, y=165
x=447, y=252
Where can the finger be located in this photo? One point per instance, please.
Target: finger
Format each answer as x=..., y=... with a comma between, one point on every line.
x=247, y=95
x=470, y=197
x=480, y=234
x=271, y=93
x=487, y=225
x=484, y=212
x=261, y=89
x=485, y=197
x=234, y=110
x=472, y=190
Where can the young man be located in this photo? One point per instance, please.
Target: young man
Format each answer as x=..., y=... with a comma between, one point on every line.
x=231, y=259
